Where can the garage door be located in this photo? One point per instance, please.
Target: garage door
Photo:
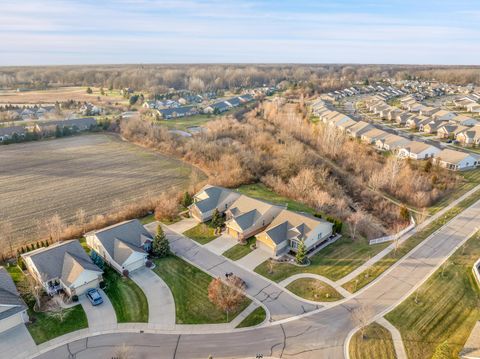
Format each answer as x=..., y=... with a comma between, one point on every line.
x=135, y=265
x=10, y=322
x=233, y=233
x=83, y=288
x=263, y=247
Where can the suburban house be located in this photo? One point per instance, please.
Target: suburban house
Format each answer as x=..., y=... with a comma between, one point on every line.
x=444, y=115
x=219, y=107
x=339, y=120
x=346, y=125
x=470, y=136
x=8, y=133
x=473, y=107
x=392, y=114
x=248, y=216
x=456, y=160
x=63, y=266
x=210, y=198
x=74, y=125
x=431, y=127
x=429, y=111
x=450, y=130
x=176, y=112
x=286, y=231
x=402, y=118
x=13, y=310
x=359, y=129
x=418, y=150
x=391, y=142
x=123, y=246
x=373, y=135
x=464, y=120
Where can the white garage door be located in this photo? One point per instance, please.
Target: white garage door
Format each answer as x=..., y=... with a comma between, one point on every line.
x=135, y=265
x=83, y=288
x=10, y=322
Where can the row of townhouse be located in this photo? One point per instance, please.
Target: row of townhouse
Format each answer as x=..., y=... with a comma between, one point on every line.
x=402, y=146
x=469, y=103
x=278, y=230
x=385, y=91
x=30, y=112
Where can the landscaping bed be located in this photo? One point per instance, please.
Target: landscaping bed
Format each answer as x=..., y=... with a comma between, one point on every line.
x=128, y=300
x=189, y=286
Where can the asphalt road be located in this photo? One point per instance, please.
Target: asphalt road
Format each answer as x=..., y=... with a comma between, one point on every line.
x=321, y=334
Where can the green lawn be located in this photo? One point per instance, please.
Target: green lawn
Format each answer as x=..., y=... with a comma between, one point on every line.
x=382, y=265
x=240, y=250
x=44, y=326
x=147, y=219
x=446, y=307
x=127, y=298
x=254, y=318
x=334, y=262
x=376, y=343
x=314, y=289
x=189, y=286
x=201, y=233
x=185, y=122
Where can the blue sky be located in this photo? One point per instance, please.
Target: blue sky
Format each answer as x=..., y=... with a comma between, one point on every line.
x=38, y=32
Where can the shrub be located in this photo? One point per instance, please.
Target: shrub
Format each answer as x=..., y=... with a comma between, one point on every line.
x=74, y=298
x=148, y=264
x=125, y=273
x=102, y=284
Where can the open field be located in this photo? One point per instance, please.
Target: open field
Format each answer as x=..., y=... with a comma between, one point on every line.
x=376, y=343
x=444, y=309
x=94, y=172
x=50, y=96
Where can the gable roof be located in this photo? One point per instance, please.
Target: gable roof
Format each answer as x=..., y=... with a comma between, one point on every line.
x=210, y=197
x=123, y=238
x=9, y=295
x=417, y=147
x=9, y=131
x=453, y=157
x=65, y=260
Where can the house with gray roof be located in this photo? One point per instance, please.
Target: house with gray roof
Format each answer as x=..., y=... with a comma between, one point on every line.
x=219, y=107
x=248, y=216
x=123, y=246
x=169, y=113
x=288, y=229
x=74, y=124
x=210, y=198
x=8, y=133
x=13, y=310
x=63, y=266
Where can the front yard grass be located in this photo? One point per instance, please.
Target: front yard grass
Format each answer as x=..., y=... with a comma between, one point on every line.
x=201, y=233
x=240, y=250
x=377, y=343
x=444, y=309
x=382, y=265
x=254, y=318
x=334, y=261
x=45, y=326
x=189, y=286
x=128, y=300
x=314, y=289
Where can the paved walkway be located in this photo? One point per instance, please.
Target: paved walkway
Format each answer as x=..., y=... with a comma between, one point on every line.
x=396, y=336
x=161, y=305
x=221, y=244
x=100, y=317
x=345, y=293
x=277, y=300
x=253, y=259
x=16, y=343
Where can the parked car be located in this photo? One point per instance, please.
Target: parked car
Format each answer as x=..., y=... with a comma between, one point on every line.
x=94, y=297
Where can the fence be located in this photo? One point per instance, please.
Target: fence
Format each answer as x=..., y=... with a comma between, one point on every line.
x=392, y=237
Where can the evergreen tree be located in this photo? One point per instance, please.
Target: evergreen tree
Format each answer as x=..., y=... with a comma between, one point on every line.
x=160, y=247
x=217, y=219
x=89, y=90
x=187, y=199
x=301, y=255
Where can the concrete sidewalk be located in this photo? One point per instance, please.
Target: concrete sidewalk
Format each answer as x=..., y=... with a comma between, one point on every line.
x=396, y=337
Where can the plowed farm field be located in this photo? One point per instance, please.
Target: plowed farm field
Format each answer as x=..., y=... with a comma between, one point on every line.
x=95, y=172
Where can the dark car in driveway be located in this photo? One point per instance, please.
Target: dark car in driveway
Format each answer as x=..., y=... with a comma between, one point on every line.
x=94, y=297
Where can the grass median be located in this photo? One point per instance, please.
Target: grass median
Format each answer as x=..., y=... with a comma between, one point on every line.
x=254, y=318
x=443, y=311
x=376, y=342
x=314, y=289
x=382, y=265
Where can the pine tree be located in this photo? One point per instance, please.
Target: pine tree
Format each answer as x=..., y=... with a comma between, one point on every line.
x=301, y=255
x=89, y=90
x=160, y=247
x=187, y=199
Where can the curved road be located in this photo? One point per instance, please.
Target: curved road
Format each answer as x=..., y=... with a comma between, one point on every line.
x=318, y=334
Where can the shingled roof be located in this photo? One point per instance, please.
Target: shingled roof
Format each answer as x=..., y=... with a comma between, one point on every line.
x=9, y=295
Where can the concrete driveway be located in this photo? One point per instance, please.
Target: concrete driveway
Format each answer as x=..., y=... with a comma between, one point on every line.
x=253, y=259
x=184, y=225
x=161, y=305
x=221, y=244
x=16, y=343
x=100, y=317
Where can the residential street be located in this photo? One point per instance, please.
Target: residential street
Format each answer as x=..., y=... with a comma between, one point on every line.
x=317, y=335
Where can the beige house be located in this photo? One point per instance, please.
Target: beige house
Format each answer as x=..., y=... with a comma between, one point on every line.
x=210, y=198
x=464, y=120
x=444, y=115
x=450, y=130
x=470, y=136
x=63, y=266
x=418, y=150
x=359, y=129
x=391, y=142
x=456, y=160
x=248, y=216
x=289, y=228
x=429, y=111
x=13, y=310
x=373, y=135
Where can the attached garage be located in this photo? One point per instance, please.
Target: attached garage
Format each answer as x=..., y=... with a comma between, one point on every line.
x=84, y=287
x=135, y=265
x=12, y=321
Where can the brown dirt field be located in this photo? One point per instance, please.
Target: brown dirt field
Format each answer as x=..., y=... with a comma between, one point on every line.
x=39, y=179
x=60, y=94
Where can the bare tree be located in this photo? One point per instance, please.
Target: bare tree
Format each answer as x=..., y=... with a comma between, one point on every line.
x=362, y=316
x=353, y=221
x=35, y=290
x=55, y=310
x=226, y=295
x=81, y=219
x=6, y=236
x=54, y=227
